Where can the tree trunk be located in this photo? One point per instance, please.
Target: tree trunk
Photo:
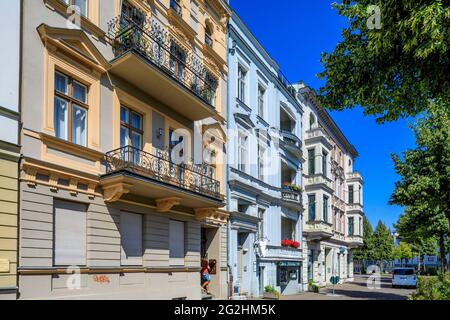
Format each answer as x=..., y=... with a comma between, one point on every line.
x=442, y=251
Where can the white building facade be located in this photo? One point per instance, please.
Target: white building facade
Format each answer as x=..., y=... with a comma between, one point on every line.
x=333, y=197
x=264, y=171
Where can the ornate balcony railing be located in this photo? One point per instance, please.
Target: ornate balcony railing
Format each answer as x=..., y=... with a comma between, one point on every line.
x=288, y=194
x=291, y=139
x=192, y=177
x=150, y=40
x=275, y=252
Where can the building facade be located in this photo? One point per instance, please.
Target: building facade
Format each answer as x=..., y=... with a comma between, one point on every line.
x=333, y=198
x=9, y=146
x=264, y=170
x=118, y=199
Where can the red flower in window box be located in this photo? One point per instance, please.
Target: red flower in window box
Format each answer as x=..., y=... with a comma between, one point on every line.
x=290, y=243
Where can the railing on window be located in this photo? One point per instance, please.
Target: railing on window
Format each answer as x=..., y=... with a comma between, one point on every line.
x=194, y=177
x=156, y=45
x=175, y=6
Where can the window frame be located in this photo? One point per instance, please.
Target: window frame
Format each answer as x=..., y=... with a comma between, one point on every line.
x=351, y=227
x=261, y=162
x=242, y=163
x=242, y=83
x=312, y=162
x=312, y=205
x=261, y=100
x=351, y=195
x=68, y=97
x=130, y=127
x=325, y=204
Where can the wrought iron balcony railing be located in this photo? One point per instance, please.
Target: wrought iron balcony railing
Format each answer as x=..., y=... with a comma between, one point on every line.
x=149, y=39
x=192, y=177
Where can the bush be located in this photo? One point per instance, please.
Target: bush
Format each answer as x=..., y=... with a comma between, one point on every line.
x=433, y=288
x=312, y=286
x=271, y=290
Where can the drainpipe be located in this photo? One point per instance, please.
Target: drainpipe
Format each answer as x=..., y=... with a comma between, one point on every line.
x=229, y=267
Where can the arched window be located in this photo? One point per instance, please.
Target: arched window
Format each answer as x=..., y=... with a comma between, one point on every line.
x=312, y=121
x=208, y=35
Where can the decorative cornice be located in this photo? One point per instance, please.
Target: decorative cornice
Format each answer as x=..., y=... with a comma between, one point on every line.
x=212, y=215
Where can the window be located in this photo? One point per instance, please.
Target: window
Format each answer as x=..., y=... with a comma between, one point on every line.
x=312, y=207
x=82, y=4
x=208, y=36
x=351, y=195
x=131, y=128
x=325, y=209
x=324, y=163
x=261, y=100
x=242, y=85
x=312, y=121
x=242, y=152
x=311, y=162
x=131, y=239
x=336, y=221
x=176, y=242
x=261, y=161
x=175, y=5
x=360, y=227
x=70, y=234
x=261, y=213
x=359, y=195
x=177, y=61
x=350, y=226
x=70, y=110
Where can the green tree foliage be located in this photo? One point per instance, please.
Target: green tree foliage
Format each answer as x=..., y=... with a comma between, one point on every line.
x=403, y=252
x=394, y=71
x=383, y=243
x=365, y=252
x=424, y=188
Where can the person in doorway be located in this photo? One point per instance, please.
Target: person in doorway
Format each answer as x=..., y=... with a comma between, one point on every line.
x=206, y=276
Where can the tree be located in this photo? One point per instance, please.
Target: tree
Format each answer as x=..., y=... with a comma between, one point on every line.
x=424, y=188
x=392, y=71
x=383, y=243
x=403, y=252
x=365, y=252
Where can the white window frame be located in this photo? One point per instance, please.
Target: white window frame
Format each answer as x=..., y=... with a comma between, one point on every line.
x=261, y=162
x=240, y=81
x=242, y=152
x=262, y=110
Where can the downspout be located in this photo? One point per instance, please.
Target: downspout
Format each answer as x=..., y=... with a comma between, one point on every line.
x=229, y=267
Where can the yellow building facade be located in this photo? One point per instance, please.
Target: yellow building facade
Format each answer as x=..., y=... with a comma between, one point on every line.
x=118, y=196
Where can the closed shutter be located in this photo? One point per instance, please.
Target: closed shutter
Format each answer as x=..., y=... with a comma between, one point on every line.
x=70, y=234
x=176, y=239
x=131, y=239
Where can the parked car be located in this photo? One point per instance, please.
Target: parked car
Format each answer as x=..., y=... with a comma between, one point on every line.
x=404, y=277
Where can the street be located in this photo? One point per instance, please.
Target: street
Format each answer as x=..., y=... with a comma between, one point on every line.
x=357, y=290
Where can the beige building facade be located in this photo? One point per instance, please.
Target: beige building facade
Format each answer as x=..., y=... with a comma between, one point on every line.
x=9, y=147
x=118, y=199
x=333, y=199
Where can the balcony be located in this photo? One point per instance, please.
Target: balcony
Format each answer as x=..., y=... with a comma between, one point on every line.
x=319, y=181
x=291, y=143
x=355, y=208
x=354, y=241
x=282, y=253
x=355, y=176
x=292, y=198
x=154, y=176
x=150, y=59
x=317, y=230
x=318, y=135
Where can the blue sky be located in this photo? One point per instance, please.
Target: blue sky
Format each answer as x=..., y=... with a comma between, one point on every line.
x=295, y=33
